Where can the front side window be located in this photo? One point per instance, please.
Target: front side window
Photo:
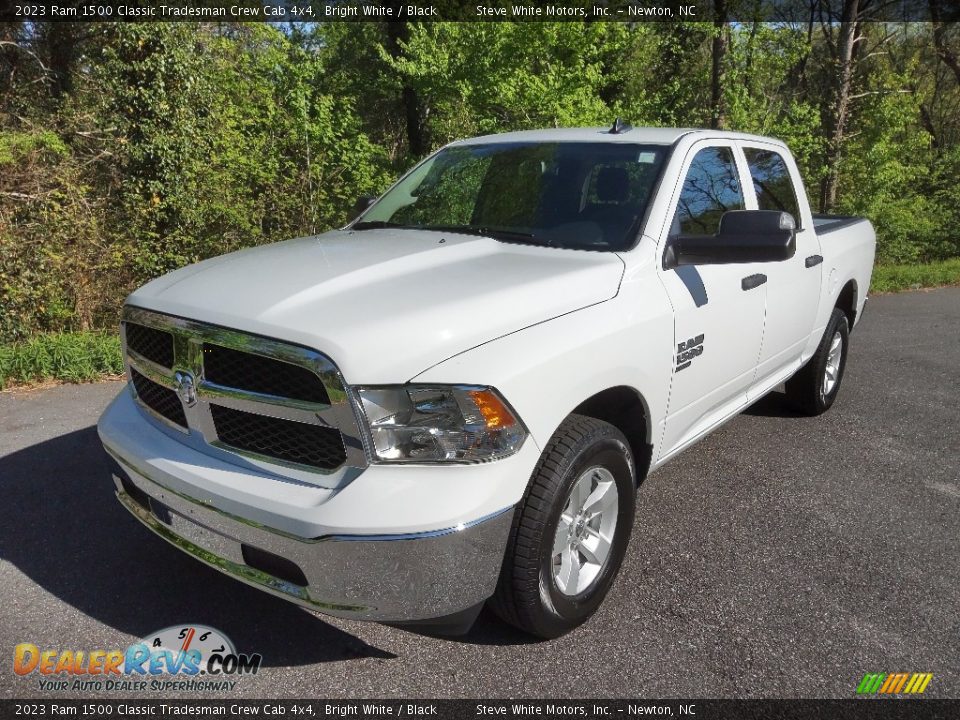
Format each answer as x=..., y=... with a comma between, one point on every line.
x=711, y=188
x=573, y=195
x=772, y=181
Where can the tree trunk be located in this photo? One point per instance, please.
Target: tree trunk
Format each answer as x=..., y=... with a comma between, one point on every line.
x=718, y=56
x=944, y=52
x=60, y=46
x=841, y=101
x=418, y=142
x=800, y=71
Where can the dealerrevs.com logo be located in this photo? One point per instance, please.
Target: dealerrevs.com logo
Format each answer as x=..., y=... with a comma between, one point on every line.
x=182, y=657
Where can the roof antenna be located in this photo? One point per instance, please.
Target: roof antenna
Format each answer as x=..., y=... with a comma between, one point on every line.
x=619, y=126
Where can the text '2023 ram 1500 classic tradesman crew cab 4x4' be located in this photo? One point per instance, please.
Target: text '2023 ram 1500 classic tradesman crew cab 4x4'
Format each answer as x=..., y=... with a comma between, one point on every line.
x=453, y=399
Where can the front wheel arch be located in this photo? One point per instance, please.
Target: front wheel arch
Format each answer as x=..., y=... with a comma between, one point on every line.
x=627, y=410
x=526, y=596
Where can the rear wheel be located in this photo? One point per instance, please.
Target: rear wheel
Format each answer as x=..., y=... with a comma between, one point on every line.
x=813, y=390
x=571, y=531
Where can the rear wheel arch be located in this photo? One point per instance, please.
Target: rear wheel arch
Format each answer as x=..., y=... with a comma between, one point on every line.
x=847, y=301
x=809, y=390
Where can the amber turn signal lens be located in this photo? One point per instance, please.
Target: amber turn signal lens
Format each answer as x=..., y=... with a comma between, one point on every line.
x=495, y=413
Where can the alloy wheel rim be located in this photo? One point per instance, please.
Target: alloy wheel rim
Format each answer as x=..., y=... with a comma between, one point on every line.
x=584, y=535
x=831, y=372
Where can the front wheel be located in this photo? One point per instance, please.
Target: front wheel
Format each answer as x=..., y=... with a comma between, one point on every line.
x=814, y=388
x=570, y=532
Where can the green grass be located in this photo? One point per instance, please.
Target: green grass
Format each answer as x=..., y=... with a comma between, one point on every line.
x=893, y=278
x=73, y=357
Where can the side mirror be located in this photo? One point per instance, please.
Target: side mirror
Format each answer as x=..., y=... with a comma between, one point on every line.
x=744, y=236
x=360, y=206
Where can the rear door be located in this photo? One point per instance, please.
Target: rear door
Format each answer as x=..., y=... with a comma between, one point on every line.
x=718, y=318
x=793, y=286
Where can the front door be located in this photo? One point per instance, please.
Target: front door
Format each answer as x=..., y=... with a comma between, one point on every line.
x=718, y=309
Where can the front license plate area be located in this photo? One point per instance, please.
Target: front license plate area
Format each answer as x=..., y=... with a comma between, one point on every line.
x=201, y=536
x=160, y=511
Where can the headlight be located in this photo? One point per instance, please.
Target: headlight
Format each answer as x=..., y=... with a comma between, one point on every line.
x=439, y=423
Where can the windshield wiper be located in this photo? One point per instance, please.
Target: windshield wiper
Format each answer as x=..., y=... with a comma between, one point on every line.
x=480, y=230
x=493, y=232
x=378, y=224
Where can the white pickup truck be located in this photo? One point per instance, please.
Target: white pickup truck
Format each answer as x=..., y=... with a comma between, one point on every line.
x=453, y=399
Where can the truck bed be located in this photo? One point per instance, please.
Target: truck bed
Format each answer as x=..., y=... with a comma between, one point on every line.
x=824, y=224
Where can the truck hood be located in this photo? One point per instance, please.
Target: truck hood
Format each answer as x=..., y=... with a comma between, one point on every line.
x=387, y=304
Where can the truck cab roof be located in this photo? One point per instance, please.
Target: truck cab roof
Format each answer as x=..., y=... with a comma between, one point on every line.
x=636, y=135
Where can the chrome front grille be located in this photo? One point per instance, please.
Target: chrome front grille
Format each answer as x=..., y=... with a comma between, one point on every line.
x=294, y=442
x=273, y=404
x=163, y=401
x=256, y=373
x=150, y=343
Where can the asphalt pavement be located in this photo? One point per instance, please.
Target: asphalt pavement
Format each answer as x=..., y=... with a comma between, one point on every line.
x=783, y=556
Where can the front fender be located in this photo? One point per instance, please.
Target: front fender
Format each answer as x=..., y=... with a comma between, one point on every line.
x=547, y=370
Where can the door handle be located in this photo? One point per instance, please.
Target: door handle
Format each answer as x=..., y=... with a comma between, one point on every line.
x=752, y=281
x=813, y=261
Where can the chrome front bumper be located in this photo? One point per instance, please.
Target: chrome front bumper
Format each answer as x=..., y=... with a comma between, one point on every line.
x=395, y=578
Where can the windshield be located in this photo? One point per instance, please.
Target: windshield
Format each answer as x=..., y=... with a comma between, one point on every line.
x=573, y=195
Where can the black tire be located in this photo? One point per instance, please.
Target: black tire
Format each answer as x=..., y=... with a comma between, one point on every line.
x=527, y=594
x=805, y=390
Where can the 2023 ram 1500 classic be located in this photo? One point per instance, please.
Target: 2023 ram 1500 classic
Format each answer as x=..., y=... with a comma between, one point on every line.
x=453, y=399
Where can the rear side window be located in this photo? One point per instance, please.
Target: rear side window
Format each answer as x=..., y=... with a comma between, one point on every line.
x=772, y=182
x=711, y=188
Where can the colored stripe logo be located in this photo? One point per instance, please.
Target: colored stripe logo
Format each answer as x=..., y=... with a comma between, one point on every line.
x=894, y=683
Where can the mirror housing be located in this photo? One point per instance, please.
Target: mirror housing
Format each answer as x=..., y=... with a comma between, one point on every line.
x=744, y=236
x=360, y=206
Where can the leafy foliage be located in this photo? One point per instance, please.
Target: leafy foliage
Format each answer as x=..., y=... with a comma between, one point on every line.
x=127, y=150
